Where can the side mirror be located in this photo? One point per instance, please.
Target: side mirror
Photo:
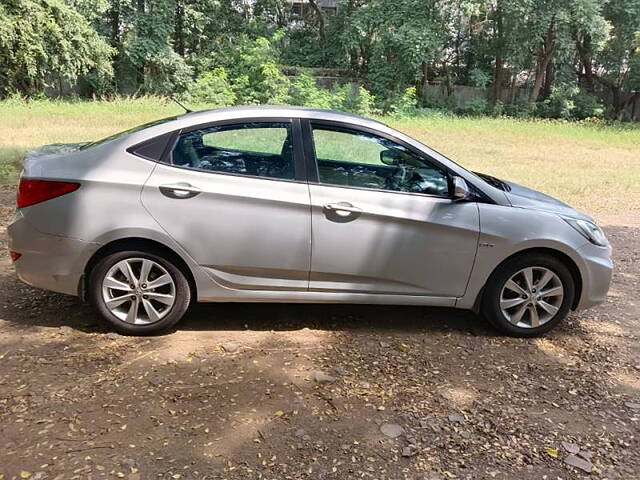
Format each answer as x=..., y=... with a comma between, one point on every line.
x=390, y=157
x=461, y=190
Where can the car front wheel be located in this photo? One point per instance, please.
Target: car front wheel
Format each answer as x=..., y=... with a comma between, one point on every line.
x=528, y=295
x=139, y=293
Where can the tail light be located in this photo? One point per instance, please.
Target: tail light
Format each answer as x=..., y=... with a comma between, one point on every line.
x=14, y=255
x=31, y=192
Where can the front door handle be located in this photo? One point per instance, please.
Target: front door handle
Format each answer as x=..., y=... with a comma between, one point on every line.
x=179, y=190
x=342, y=208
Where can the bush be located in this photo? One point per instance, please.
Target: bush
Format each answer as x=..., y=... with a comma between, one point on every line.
x=406, y=105
x=257, y=79
x=213, y=87
x=357, y=100
x=476, y=106
x=306, y=93
x=587, y=106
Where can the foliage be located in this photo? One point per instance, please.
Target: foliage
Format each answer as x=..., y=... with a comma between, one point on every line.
x=258, y=77
x=213, y=88
x=43, y=42
x=306, y=93
x=406, y=104
x=572, y=58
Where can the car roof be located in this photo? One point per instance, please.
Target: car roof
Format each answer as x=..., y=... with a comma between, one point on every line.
x=279, y=111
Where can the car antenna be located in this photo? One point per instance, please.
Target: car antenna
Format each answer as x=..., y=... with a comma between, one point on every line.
x=185, y=108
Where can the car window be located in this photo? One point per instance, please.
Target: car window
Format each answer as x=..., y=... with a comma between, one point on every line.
x=358, y=159
x=257, y=149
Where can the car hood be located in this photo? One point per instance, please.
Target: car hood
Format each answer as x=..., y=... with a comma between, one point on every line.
x=523, y=197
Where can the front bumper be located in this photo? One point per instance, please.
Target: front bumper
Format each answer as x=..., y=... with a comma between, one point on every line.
x=596, y=271
x=48, y=261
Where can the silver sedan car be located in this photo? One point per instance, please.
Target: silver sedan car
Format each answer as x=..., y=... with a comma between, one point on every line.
x=285, y=204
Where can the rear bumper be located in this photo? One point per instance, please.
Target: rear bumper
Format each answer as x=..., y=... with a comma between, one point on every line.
x=48, y=261
x=596, y=271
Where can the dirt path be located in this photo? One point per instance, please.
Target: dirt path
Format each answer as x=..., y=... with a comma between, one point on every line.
x=301, y=391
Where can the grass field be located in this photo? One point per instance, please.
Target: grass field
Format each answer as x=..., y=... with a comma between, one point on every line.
x=592, y=167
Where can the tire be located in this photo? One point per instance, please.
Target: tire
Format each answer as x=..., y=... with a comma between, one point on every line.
x=154, y=312
x=500, y=303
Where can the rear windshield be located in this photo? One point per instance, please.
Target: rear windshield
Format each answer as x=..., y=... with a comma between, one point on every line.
x=127, y=132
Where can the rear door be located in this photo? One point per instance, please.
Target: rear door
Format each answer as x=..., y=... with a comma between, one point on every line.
x=235, y=198
x=383, y=221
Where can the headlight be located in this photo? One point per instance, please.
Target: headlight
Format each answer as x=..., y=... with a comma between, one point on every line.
x=590, y=230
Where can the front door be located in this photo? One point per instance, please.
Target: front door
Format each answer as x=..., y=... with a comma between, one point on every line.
x=233, y=197
x=383, y=221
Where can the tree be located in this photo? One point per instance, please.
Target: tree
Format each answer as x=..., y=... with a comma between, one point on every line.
x=47, y=41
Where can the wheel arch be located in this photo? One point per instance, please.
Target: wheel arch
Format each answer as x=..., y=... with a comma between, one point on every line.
x=137, y=243
x=563, y=257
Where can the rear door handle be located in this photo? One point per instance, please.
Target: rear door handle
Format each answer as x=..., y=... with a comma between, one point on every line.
x=179, y=190
x=342, y=208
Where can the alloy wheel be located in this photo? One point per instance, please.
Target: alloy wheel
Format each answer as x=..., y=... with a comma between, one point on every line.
x=139, y=291
x=531, y=297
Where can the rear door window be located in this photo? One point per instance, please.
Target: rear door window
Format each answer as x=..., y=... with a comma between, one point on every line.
x=260, y=149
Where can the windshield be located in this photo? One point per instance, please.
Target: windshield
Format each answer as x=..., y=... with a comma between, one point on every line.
x=493, y=181
x=127, y=132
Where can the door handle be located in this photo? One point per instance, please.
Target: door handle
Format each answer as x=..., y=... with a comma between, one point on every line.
x=342, y=208
x=179, y=190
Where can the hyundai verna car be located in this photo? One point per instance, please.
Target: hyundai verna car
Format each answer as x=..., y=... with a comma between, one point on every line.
x=285, y=204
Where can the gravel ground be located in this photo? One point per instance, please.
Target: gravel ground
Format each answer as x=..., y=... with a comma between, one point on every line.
x=319, y=391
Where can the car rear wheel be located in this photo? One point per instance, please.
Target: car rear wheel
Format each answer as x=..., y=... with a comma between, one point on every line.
x=139, y=293
x=528, y=295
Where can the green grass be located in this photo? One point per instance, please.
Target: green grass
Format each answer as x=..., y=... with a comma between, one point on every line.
x=593, y=167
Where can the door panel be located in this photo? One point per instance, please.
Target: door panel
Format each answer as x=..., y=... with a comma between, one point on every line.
x=248, y=232
x=391, y=243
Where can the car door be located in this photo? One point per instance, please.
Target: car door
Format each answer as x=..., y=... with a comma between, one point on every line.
x=234, y=197
x=383, y=221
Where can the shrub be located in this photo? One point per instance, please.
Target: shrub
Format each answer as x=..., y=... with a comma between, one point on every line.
x=306, y=93
x=213, y=87
x=357, y=100
x=405, y=105
x=476, y=106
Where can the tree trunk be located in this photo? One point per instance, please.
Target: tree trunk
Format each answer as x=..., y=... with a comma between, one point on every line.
x=617, y=103
x=320, y=17
x=178, y=38
x=545, y=53
x=549, y=77
x=585, y=54
x=140, y=69
x=498, y=79
x=114, y=23
x=498, y=73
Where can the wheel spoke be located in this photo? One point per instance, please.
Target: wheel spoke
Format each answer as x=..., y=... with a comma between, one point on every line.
x=152, y=313
x=511, y=302
x=111, y=282
x=132, y=314
x=514, y=287
x=125, y=267
x=528, y=278
x=117, y=301
x=548, y=275
x=552, y=292
x=533, y=316
x=547, y=307
x=517, y=316
x=161, y=297
x=145, y=269
x=160, y=281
